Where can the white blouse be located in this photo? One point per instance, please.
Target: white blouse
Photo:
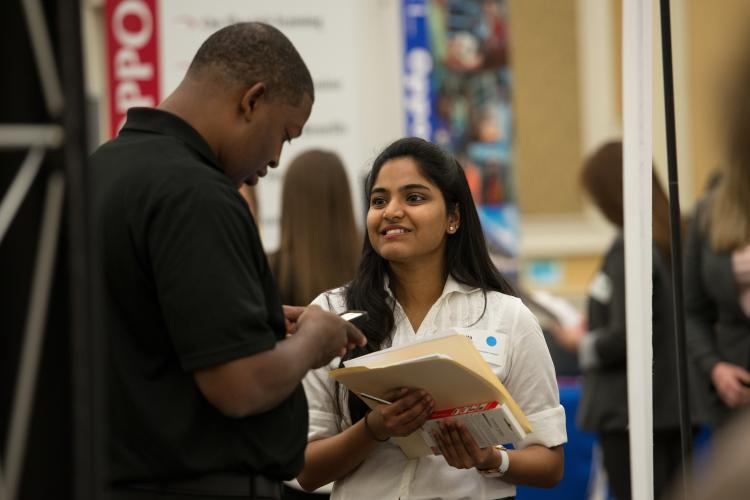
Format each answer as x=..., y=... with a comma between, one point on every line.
x=509, y=338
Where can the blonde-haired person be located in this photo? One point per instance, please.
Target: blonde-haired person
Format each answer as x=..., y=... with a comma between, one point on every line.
x=320, y=242
x=248, y=193
x=717, y=272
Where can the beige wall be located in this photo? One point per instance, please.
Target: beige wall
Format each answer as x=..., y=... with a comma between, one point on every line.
x=548, y=69
x=707, y=37
x=546, y=106
x=718, y=32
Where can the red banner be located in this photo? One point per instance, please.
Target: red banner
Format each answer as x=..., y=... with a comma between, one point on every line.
x=132, y=57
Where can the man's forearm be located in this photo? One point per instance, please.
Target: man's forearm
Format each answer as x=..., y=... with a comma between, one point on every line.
x=257, y=383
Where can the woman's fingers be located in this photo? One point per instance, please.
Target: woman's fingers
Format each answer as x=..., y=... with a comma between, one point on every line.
x=479, y=456
x=471, y=446
x=396, y=394
x=446, y=447
x=408, y=412
x=463, y=456
x=458, y=446
x=414, y=417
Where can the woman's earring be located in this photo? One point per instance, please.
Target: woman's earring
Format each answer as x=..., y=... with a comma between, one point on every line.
x=450, y=228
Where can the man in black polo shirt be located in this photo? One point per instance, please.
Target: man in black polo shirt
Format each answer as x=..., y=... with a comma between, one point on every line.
x=204, y=391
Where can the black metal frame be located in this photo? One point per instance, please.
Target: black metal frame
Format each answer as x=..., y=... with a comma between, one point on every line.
x=56, y=165
x=88, y=412
x=675, y=224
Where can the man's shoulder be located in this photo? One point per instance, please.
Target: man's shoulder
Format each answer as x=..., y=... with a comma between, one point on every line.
x=154, y=166
x=148, y=155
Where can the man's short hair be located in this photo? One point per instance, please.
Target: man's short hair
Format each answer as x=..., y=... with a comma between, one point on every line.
x=248, y=53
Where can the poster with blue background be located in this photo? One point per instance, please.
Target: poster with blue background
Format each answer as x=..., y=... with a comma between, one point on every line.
x=457, y=93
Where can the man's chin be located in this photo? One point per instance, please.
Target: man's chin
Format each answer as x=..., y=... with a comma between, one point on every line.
x=252, y=180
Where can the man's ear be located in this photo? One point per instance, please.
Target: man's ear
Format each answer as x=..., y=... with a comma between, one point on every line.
x=251, y=98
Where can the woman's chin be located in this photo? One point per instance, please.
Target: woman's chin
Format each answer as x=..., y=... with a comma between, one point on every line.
x=396, y=255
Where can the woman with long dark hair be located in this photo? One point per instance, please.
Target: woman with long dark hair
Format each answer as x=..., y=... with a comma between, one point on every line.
x=425, y=269
x=311, y=260
x=601, y=344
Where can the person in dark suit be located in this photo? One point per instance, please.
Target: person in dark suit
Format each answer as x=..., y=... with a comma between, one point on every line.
x=717, y=273
x=601, y=346
x=716, y=307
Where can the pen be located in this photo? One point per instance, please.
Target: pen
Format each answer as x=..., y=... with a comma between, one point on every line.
x=374, y=398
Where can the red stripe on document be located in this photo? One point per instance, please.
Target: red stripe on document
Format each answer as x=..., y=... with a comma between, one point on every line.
x=463, y=410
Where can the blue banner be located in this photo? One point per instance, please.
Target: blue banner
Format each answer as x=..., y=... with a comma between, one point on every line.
x=457, y=94
x=420, y=116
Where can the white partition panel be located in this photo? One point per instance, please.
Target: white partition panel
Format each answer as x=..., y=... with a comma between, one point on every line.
x=637, y=108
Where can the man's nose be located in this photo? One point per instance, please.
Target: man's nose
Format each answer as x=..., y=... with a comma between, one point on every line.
x=276, y=157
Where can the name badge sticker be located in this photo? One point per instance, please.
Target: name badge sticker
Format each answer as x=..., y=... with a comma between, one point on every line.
x=601, y=288
x=491, y=345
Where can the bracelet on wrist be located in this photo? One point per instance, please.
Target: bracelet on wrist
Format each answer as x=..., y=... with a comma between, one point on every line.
x=372, y=432
x=502, y=468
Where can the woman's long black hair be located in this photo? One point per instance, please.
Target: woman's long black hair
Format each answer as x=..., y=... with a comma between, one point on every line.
x=466, y=256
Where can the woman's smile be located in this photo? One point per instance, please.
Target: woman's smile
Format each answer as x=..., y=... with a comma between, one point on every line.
x=393, y=232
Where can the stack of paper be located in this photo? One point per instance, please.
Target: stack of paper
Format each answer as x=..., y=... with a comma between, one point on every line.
x=558, y=308
x=489, y=424
x=448, y=367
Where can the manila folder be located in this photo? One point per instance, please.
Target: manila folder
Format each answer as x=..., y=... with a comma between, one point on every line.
x=449, y=382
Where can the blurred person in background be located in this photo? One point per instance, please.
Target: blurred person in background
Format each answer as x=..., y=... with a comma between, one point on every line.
x=717, y=270
x=251, y=198
x=601, y=346
x=319, y=247
x=723, y=472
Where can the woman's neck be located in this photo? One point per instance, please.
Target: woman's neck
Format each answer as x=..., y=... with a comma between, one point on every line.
x=417, y=287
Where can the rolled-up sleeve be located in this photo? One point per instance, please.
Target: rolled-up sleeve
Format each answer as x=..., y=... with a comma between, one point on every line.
x=532, y=382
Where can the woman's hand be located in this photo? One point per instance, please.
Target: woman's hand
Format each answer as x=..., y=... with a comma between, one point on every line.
x=741, y=265
x=460, y=449
x=408, y=411
x=569, y=337
x=732, y=382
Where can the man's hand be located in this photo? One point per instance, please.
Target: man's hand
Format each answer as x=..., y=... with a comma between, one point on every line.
x=291, y=315
x=256, y=383
x=732, y=382
x=333, y=336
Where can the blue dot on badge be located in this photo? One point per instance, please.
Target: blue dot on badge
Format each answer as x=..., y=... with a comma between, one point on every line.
x=491, y=341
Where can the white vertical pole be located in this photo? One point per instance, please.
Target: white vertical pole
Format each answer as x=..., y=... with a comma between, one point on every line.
x=637, y=154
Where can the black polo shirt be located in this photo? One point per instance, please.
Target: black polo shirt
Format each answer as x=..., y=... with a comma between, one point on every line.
x=185, y=285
